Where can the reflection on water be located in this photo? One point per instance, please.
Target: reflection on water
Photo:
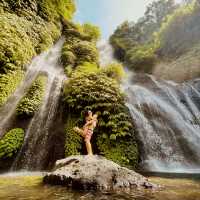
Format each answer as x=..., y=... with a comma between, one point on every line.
x=29, y=187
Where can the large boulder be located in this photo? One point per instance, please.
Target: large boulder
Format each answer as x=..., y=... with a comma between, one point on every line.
x=94, y=173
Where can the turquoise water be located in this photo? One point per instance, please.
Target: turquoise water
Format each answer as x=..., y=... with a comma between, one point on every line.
x=25, y=186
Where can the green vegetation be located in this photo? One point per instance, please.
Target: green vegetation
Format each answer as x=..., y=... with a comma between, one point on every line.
x=26, y=29
x=31, y=102
x=141, y=58
x=74, y=142
x=90, y=87
x=115, y=71
x=80, y=45
x=180, y=32
x=95, y=91
x=134, y=42
x=166, y=32
x=11, y=143
x=30, y=27
x=52, y=10
x=8, y=83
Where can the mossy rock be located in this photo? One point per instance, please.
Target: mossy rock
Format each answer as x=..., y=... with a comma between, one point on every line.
x=32, y=101
x=11, y=143
x=74, y=142
x=8, y=84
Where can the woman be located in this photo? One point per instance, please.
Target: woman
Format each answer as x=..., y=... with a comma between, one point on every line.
x=87, y=131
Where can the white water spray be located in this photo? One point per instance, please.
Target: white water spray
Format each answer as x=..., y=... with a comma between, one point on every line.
x=34, y=151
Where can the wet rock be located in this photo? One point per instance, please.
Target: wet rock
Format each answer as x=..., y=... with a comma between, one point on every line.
x=94, y=173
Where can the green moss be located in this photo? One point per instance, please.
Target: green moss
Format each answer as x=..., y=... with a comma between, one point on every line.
x=74, y=141
x=31, y=102
x=11, y=143
x=115, y=71
x=15, y=45
x=52, y=10
x=85, y=52
x=123, y=151
x=8, y=84
x=80, y=45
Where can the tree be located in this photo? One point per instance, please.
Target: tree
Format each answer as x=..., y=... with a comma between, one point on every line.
x=133, y=42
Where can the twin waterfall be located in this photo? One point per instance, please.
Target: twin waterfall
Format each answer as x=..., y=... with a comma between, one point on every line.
x=166, y=116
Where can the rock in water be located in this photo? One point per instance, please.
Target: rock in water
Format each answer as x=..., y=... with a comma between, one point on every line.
x=94, y=173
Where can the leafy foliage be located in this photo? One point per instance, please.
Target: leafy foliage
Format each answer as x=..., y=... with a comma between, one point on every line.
x=11, y=143
x=141, y=58
x=134, y=42
x=85, y=51
x=180, y=32
x=52, y=10
x=80, y=46
x=97, y=89
x=74, y=141
x=8, y=83
x=27, y=27
x=97, y=92
x=166, y=32
x=114, y=70
x=123, y=151
x=93, y=32
x=31, y=102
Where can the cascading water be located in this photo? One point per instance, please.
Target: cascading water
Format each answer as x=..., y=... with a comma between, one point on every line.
x=166, y=117
x=106, y=53
x=7, y=111
x=34, y=152
x=167, y=120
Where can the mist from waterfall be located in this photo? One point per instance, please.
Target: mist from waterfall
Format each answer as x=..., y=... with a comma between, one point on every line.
x=106, y=53
x=166, y=116
x=34, y=152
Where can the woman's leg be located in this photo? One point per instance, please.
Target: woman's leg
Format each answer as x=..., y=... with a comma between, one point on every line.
x=88, y=147
x=79, y=131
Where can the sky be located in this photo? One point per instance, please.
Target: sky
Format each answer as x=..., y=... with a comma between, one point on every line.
x=108, y=14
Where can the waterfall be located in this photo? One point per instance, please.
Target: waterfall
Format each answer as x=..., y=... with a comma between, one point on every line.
x=167, y=119
x=106, y=53
x=166, y=116
x=34, y=152
x=7, y=111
